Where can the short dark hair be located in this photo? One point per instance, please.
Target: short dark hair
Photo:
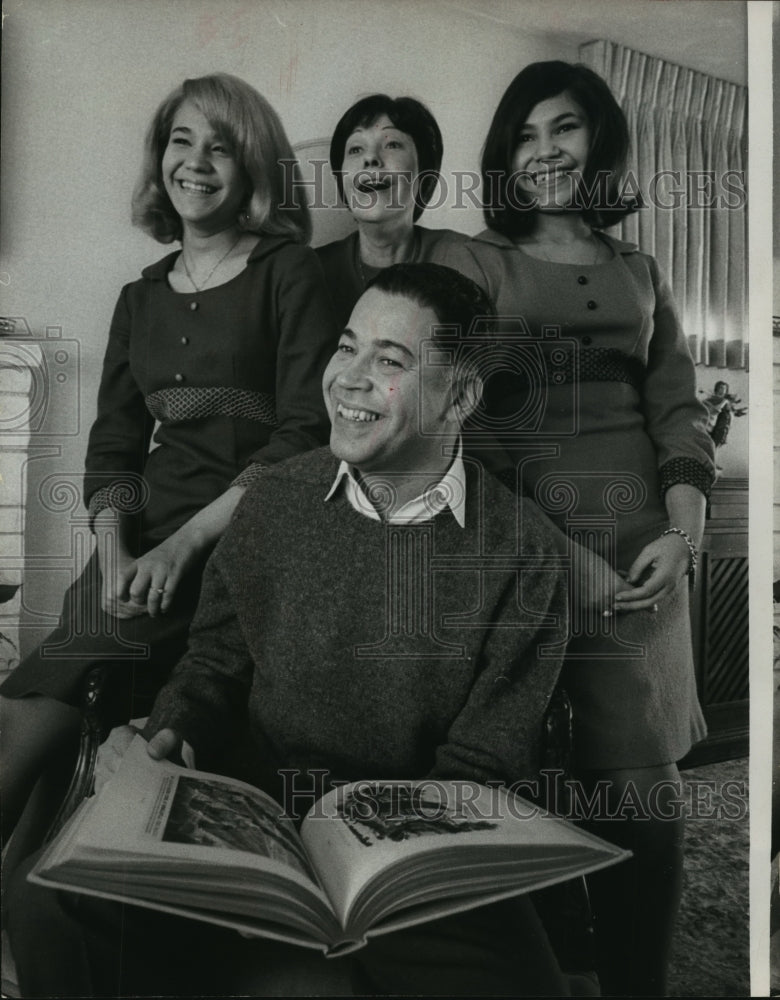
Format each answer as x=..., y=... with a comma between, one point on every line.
x=407, y=115
x=262, y=150
x=457, y=300
x=504, y=209
x=466, y=312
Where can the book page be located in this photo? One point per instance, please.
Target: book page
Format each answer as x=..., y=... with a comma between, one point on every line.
x=168, y=812
x=360, y=831
x=200, y=845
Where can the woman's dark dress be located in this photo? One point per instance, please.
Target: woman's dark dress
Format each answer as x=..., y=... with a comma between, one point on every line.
x=596, y=404
x=346, y=277
x=232, y=376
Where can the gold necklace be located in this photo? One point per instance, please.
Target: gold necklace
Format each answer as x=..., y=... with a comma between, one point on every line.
x=596, y=248
x=228, y=252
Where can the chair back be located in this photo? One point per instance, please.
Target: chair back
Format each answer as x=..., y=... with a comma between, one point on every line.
x=330, y=218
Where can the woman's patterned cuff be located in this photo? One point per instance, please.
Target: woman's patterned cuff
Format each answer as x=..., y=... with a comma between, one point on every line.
x=688, y=471
x=100, y=500
x=127, y=496
x=249, y=475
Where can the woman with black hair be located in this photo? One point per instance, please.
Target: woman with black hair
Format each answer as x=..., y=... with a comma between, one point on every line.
x=599, y=371
x=385, y=156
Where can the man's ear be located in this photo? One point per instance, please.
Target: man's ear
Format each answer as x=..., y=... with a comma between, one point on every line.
x=466, y=394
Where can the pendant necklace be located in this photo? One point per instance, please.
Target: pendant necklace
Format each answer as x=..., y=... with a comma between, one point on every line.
x=228, y=252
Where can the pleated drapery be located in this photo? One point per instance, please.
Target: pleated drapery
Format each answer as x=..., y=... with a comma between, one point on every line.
x=688, y=158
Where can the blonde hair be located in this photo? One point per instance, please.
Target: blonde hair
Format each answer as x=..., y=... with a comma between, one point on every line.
x=276, y=205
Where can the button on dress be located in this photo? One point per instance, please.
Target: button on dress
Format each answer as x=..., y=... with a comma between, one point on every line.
x=197, y=392
x=599, y=413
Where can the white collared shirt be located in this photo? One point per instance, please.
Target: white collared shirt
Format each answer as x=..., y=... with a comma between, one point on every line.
x=450, y=492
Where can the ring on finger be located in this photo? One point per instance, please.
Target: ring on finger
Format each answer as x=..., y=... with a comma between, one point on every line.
x=161, y=590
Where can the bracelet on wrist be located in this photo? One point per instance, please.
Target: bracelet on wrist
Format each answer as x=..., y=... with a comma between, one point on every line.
x=692, y=550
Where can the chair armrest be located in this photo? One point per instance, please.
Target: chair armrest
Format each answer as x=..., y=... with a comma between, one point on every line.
x=556, y=752
x=93, y=731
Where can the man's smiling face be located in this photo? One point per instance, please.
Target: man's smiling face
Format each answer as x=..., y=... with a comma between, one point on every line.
x=381, y=394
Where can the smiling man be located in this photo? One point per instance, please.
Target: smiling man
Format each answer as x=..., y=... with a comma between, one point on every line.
x=376, y=609
x=393, y=410
x=298, y=623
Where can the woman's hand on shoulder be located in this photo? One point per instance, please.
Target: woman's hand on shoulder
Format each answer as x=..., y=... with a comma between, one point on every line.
x=655, y=573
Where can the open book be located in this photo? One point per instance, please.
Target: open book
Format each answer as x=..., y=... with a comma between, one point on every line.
x=370, y=857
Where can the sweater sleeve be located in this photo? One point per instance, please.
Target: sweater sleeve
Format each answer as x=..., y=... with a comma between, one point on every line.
x=675, y=419
x=119, y=438
x=306, y=338
x=497, y=736
x=209, y=687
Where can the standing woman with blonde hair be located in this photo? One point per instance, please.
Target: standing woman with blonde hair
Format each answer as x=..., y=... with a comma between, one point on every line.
x=212, y=372
x=626, y=455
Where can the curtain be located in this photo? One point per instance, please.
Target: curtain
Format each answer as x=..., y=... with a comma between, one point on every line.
x=688, y=158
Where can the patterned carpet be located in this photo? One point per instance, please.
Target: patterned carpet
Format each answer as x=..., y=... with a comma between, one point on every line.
x=711, y=954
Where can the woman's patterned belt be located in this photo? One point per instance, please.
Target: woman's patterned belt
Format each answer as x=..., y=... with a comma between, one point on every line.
x=174, y=405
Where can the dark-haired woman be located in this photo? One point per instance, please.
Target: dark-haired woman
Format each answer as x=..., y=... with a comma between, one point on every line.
x=626, y=468
x=223, y=344
x=385, y=155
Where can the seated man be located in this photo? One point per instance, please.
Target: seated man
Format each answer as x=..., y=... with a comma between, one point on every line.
x=378, y=609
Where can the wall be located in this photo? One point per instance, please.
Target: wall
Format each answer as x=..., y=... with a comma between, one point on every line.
x=80, y=81
x=776, y=434
x=776, y=281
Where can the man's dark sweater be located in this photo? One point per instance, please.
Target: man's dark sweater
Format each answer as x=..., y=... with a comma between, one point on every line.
x=373, y=650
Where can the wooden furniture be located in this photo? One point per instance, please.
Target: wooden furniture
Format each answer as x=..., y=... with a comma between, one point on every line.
x=719, y=616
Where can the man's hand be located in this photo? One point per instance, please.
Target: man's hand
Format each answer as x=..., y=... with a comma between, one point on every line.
x=165, y=744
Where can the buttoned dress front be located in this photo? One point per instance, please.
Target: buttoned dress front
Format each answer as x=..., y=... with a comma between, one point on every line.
x=595, y=402
x=198, y=391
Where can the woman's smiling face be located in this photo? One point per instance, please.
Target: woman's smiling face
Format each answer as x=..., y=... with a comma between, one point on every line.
x=552, y=153
x=379, y=172
x=202, y=177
